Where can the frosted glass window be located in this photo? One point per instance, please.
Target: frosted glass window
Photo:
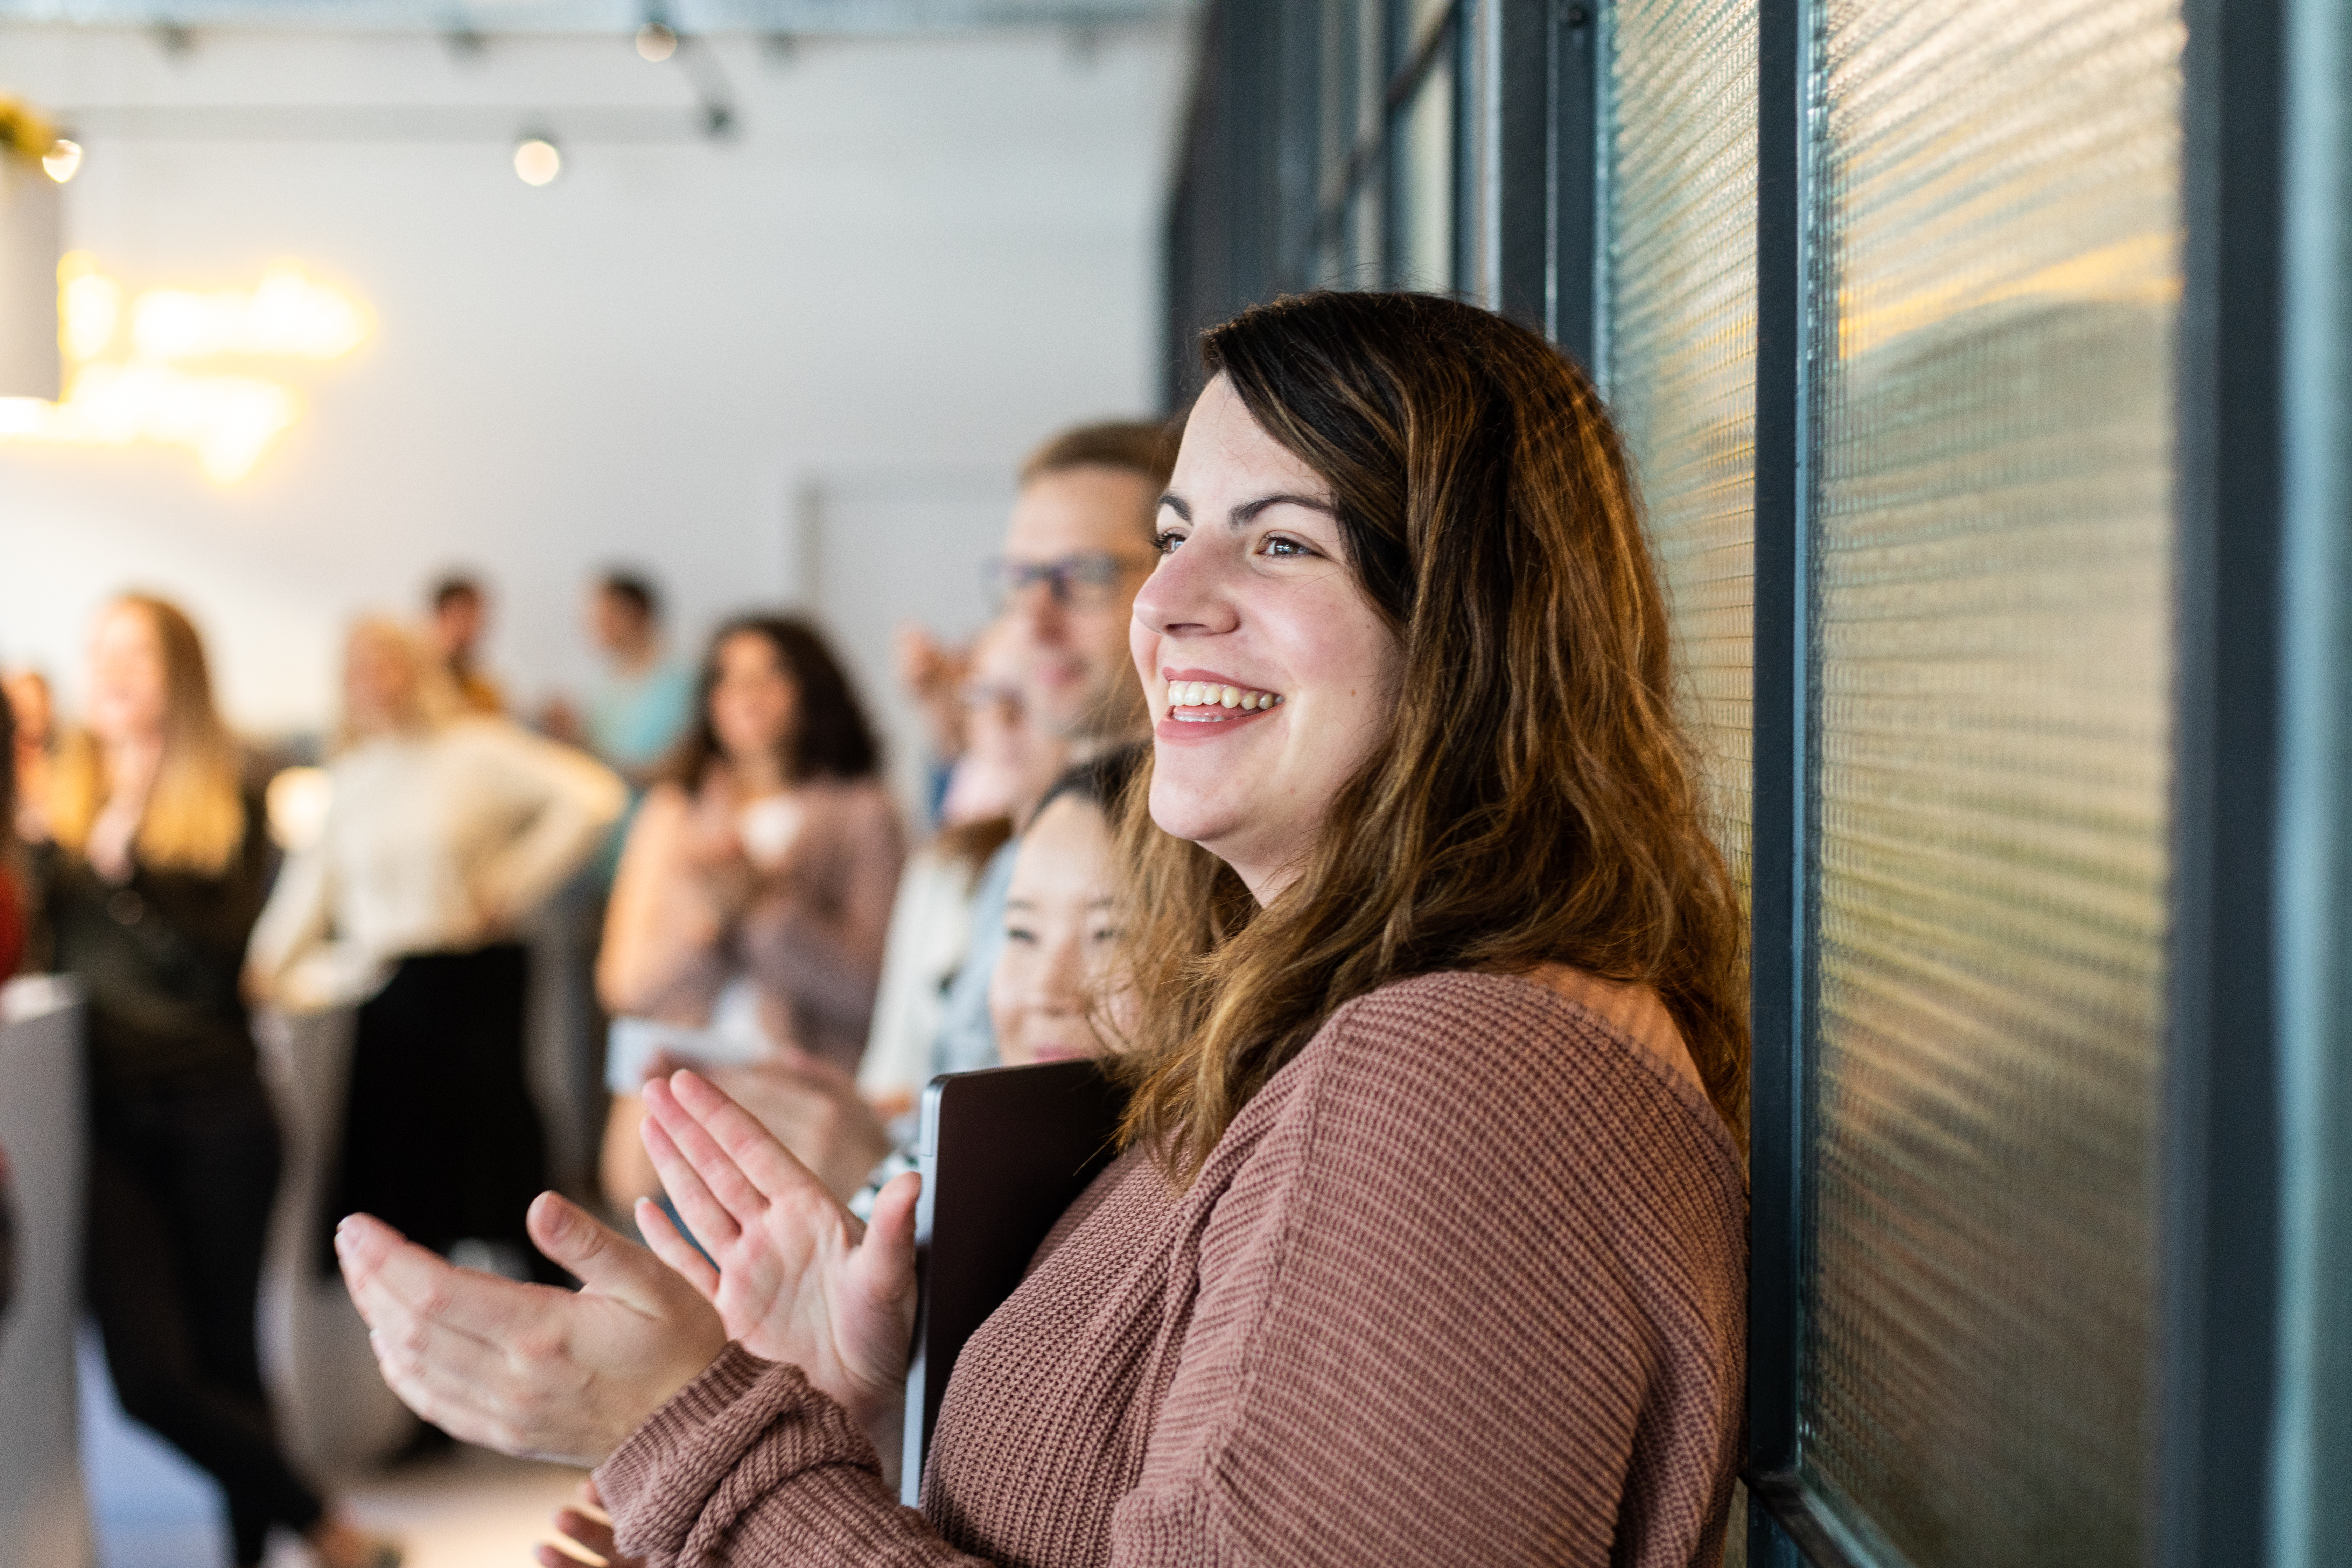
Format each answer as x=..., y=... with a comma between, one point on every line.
x=1425, y=217
x=1999, y=271
x=1681, y=345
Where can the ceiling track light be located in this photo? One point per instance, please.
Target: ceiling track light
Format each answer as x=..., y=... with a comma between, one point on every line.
x=63, y=160
x=536, y=160
x=656, y=41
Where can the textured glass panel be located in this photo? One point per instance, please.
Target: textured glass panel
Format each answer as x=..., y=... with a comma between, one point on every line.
x=1424, y=218
x=1998, y=266
x=1681, y=344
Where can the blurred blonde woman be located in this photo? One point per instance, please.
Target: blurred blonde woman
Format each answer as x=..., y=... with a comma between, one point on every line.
x=154, y=872
x=445, y=830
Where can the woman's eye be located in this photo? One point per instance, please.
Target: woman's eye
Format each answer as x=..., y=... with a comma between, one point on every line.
x=1166, y=540
x=1105, y=933
x=1019, y=934
x=1276, y=545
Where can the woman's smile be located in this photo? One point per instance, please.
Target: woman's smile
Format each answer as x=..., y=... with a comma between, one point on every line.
x=1202, y=704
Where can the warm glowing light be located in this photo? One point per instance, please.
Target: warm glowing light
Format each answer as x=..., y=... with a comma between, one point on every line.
x=89, y=304
x=537, y=162
x=228, y=421
x=298, y=801
x=63, y=160
x=288, y=316
x=656, y=41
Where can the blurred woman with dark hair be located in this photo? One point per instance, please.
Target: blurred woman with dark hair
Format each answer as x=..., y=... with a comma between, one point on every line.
x=156, y=869
x=1429, y=1243
x=747, y=920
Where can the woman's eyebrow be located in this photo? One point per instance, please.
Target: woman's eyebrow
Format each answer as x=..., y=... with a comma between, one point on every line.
x=1177, y=504
x=1245, y=514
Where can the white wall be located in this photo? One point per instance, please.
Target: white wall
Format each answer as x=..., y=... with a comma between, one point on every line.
x=919, y=257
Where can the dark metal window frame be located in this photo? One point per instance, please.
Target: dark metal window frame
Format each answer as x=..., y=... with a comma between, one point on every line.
x=2215, y=1384
x=1234, y=232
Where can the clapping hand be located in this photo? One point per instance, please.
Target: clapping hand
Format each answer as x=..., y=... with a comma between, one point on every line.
x=529, y=1369
x=799, y=1279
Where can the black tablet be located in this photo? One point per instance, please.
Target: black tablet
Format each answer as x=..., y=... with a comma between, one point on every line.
x=1004, y=1151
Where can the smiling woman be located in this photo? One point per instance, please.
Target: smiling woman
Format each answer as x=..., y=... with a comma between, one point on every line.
x=1412, y=523
x=1428, y=1244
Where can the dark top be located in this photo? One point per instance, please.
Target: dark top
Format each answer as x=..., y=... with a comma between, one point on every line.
x=160, y=956
x=12, y=920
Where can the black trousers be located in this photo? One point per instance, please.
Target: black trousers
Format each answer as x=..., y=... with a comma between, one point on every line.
x=441, y=1139
x=181, y=1184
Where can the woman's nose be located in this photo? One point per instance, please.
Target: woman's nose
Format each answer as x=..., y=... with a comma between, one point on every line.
x=1186, y=593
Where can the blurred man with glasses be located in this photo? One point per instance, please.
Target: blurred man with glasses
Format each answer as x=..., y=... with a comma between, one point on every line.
x=1076, y=549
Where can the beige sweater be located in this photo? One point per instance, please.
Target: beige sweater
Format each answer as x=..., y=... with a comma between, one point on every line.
x=1465, y=1284
x=427, y=835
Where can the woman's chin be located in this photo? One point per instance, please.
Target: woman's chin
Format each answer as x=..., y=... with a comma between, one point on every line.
x=1199, y=815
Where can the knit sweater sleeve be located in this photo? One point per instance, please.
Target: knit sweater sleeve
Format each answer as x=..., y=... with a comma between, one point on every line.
x=1474, y=1297
x=750, y=1467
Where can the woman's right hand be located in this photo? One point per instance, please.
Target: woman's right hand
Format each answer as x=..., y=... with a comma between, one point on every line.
x=799, y=1279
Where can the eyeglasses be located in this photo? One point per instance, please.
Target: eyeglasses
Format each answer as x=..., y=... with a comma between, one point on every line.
x=1087, y=582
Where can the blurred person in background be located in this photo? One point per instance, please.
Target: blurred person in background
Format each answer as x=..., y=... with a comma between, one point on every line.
x=1079, y=546
x=25, y=822
x=443, y=832
x=644, y=704
x=747, y=921
x=12, y=874
x=932, y=674
x=460, y=611
x=12, y=949
x=1007, y=762
x=157, y=863
x=29, y=700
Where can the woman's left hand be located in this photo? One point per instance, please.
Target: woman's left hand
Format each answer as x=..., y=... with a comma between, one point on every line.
x=529, y=1369
x=799, y=1279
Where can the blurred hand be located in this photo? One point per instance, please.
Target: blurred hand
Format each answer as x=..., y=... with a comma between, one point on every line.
x=529, y=1369
x=814, y=1109
x=589, y=1529
x=560, y=721
x=932, y=674
x=799, y=1279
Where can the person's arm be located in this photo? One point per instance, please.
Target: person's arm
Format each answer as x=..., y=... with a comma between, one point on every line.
x=571, y=799
x=659, y=926
x=293, y=923
x=821, y=945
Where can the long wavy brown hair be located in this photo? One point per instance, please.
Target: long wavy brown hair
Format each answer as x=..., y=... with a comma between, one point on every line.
x=1535, y=799
x=194, y=818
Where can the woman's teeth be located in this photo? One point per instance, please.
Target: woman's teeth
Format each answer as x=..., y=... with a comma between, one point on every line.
x=1208, y=694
